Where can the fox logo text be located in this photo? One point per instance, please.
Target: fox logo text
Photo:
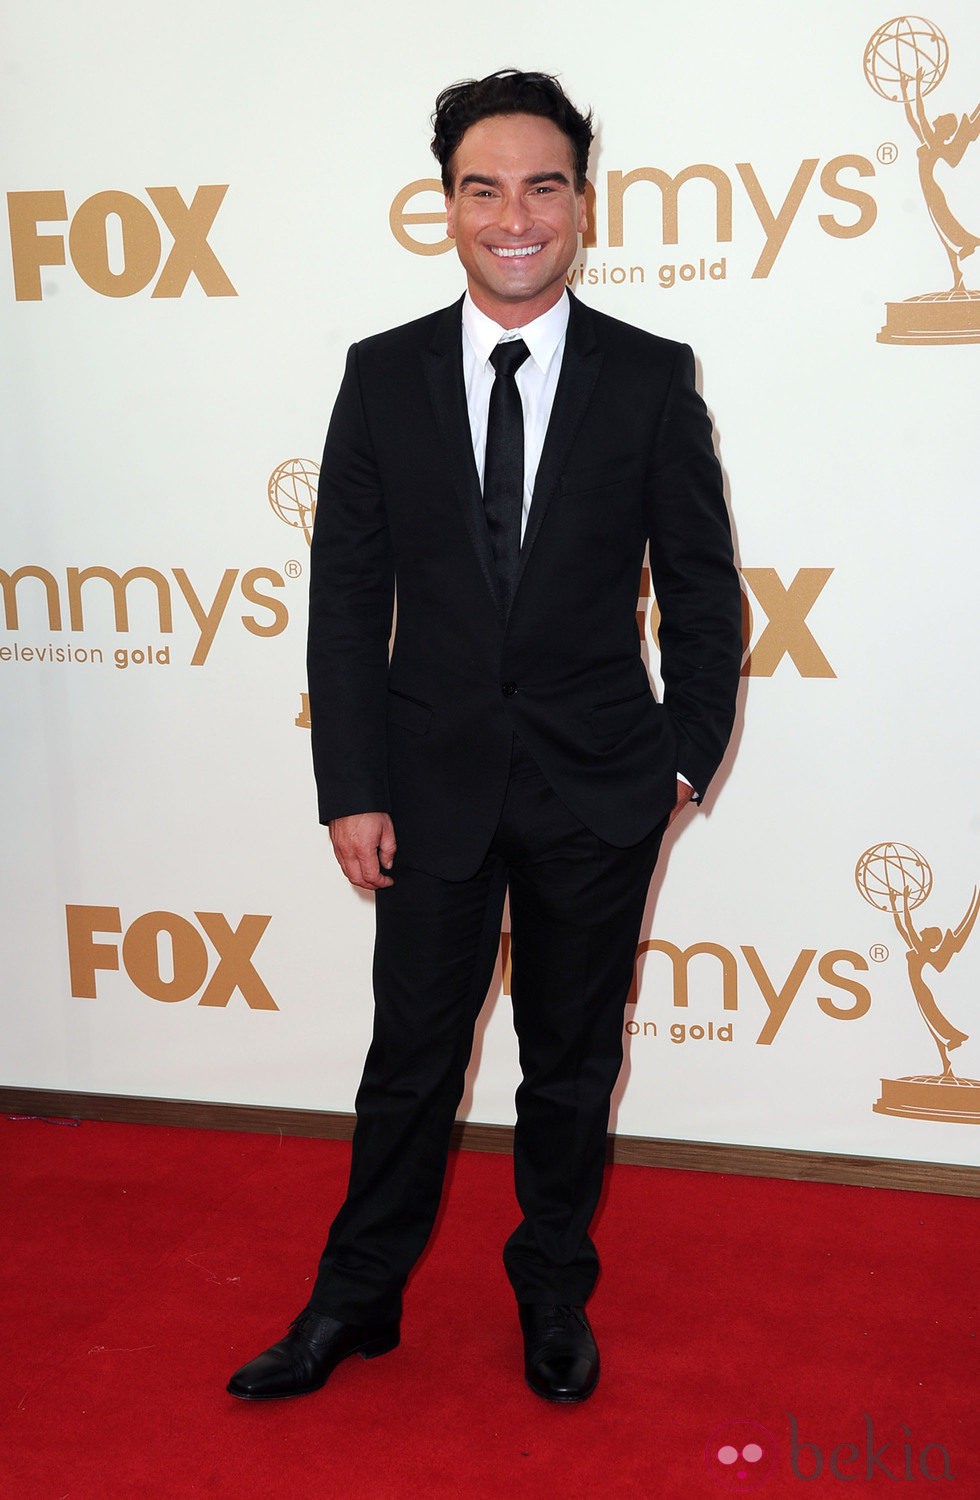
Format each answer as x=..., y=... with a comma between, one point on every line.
x=115, y=244
x=167, y=958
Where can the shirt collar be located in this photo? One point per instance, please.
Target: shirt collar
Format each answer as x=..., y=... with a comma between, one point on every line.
x=542, y=335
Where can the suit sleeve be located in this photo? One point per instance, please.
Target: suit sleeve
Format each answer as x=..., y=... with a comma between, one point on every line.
x=694, y=579
x=351, y=603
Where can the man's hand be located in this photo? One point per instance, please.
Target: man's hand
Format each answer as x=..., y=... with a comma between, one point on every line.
x=684, y=795
x=364, y=844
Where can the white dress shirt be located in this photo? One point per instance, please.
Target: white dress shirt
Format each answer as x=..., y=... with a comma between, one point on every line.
x=537, y=380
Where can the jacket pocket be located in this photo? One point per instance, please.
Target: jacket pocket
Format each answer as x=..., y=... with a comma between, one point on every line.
x=408, y=713
x=612, y=722
x=612, y=475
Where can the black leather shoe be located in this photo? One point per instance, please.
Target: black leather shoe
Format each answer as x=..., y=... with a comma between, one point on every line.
x=301, y=1362
x=561, y=1361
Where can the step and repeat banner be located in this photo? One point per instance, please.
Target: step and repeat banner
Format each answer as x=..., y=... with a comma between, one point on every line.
x=203, y=210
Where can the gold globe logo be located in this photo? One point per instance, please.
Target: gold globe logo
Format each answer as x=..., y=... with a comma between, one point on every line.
x=899, y=49
x=888, y=870
x=292, y=493
x=904, y=61
x=896, y=878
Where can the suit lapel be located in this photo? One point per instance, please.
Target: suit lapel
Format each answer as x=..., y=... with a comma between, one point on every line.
x=579, y=371
x=443, y=361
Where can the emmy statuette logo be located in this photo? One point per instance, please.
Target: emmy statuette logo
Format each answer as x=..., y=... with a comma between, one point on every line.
x=904, y=61
x=292, y=495
x=895, y=878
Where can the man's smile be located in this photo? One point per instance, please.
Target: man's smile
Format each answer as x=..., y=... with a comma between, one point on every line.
x=520, y=250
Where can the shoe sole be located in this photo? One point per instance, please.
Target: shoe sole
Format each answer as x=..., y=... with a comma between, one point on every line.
x=563, y=1400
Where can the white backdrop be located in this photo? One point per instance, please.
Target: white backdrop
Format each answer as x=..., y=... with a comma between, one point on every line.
x=144, y=418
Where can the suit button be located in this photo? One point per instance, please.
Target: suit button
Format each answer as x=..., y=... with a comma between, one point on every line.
x=509, y=689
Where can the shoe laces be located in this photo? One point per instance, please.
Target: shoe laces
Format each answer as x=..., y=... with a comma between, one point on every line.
x=559, y=1317
x=307, y=1321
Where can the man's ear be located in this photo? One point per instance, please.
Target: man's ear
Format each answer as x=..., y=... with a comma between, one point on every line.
x=450, y=227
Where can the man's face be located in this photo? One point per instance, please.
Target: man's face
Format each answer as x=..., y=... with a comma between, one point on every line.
x=515, y=215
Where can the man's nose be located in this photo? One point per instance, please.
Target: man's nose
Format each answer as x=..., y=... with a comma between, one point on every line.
x=515, y=216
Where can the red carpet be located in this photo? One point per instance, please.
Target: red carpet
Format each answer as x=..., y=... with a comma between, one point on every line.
x=834, y=1328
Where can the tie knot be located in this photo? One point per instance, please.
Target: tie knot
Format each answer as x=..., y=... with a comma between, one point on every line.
x=508, y=357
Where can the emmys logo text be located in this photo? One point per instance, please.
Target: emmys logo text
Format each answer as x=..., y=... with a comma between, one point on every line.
x=166, y=956
x=115, y=243
x=775, y=208
x=776, y=992
x=110, y=599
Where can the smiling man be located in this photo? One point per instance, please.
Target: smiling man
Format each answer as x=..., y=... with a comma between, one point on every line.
x=505, y=463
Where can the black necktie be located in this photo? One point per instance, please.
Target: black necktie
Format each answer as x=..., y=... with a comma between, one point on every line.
x=503, y=468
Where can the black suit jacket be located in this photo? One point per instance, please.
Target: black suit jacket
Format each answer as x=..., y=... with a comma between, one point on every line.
x=628, y=459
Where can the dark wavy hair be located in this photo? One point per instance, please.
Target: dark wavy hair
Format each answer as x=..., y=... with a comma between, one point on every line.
x=507, y=92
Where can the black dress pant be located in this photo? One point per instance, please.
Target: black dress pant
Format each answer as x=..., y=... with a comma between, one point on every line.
x=576, y=905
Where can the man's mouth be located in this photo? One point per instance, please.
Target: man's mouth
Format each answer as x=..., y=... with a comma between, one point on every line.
x=513, y=254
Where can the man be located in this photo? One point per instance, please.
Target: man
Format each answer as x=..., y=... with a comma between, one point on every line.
x=504, y=462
